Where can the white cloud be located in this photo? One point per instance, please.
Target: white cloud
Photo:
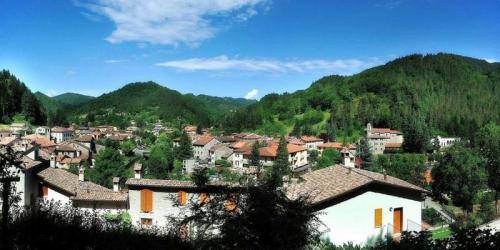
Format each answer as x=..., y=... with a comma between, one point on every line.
x=252, y=94
x=491, y=60
x=51, y=93
x=114, y=61
x=170, y=22
x=221, y=63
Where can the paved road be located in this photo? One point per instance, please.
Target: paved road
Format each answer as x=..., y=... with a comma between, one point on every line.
x=432, y=204
x=495, y=225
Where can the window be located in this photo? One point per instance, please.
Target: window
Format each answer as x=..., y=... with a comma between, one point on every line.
x=146, y=222
x=378, y=217
x=182, y=198
x=146, y=201
x=204, y=198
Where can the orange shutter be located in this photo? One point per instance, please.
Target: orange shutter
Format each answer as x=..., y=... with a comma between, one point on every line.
x=204, y=198
x=378, y=217
x=229, y=205
x=45, y=189
x=181, y=197
x=146, y=200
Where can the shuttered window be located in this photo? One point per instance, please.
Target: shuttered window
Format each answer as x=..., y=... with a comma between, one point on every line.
x=182, y=198
x=146, y=222
x=378, y=217
x=146, y=201
x=204, y=198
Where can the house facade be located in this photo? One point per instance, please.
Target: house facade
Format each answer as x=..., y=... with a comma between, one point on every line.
x=311, y=142
x=380, y=138
x=357, y=205
x=201, y=147
x=60, y=134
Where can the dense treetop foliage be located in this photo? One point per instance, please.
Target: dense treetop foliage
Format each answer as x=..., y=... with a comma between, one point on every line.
x=453, y=95
x=72, y=98
x=16, y=98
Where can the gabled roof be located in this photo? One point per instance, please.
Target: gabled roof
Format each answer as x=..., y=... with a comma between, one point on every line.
x=272, y=150
x=203, y=140
x=335, y=145
x=69, y=183
x=335, y=181
x=176, y=184
x=60, y=130
x=40, y=140
x=85, y=138
x=310, y=139
x=385, y=130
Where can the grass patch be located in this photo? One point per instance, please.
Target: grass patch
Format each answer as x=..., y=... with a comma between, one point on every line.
x=441, y=233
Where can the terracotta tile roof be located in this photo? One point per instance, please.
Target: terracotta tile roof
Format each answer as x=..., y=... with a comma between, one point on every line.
x=239, y=144
x=77, y=190
x=272, y=150
x=308, y=139
x=335, y=145
x=61, y=130
x=175, y=183
x=65, y=147
x=385, y=130
x=203, y=140
x=85, y=138
x=295, y=141
x=226, y=139
x=7, y=140
x=335, y=181
x=40, y=140
x=393, y=145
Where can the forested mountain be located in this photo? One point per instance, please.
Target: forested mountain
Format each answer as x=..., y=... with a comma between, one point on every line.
x=149, y=101
x=72, y=98
x=17, y=99
x=450, y=94
x=49, y=105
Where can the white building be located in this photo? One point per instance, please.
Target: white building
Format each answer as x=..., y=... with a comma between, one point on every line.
x=59, y=185
x=201, y=147
x=311, y=142
x=43, y=130
x=297, y=155
x=445, y=142
x=153, y=202
x=381, y=138
x=60, y=134
x=220, y=151
x=357, y=205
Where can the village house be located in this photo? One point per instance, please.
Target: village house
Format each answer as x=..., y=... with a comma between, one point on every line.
x=249, y=137
x=311, y=142
x=379, y=138
x=80, y=131
x=220, y=151
x=297, y=155
x=202, y=146
x=59, y=185
x=26, y=186
x=152, y=201
x=356, y=205
x=85, y=140
x=43, y=130
x=445, y=142
x=190, y=130
x=19, y=128
x=60, y=134
x=336, y=146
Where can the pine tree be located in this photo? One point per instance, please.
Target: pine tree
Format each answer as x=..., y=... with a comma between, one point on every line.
x=254, y=157
x=281, y=166
x=364, y=153
x=416, y=135
x=185, y=150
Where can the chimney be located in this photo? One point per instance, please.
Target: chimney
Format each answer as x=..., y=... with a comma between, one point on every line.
x=52, y=160
x=81, y=174
x=137, y=171
x=116, y=182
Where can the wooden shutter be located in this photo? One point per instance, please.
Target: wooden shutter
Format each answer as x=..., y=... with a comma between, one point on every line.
x=378, y=217
x=181, y=197
x=204, y=198
x=45, y=190
x=146, y=200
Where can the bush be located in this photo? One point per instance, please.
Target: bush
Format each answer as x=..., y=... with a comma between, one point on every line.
x=431, y=216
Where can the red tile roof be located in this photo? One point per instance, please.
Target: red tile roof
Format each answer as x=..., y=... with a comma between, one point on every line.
x=385, y=130
x=393, y=145
x=335, y=145
x=203, y=140
x=309, y=139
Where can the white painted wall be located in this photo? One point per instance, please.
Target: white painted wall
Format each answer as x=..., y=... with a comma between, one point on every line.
x=354, y=220
x=56, y=196
x=164, y=205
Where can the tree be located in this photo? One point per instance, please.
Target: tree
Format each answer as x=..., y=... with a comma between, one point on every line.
x=363, y=151
x=254, y=156
x=185, y=150
x=328, y=158
x=331, y=129
x=416, y=135
x=109, y=163
x=408, y=167
x=177, y=172
x=296, y=131
x=127, y=148
x=488, y=144
x=313, y=157
x=281, y=166
x=199, y=129
x=459, y=174
x=160, y=159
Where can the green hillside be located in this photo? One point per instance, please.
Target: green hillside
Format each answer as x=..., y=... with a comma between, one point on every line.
x=72, y=99
x=451, y=94
x=49, y=105
x=17, y=101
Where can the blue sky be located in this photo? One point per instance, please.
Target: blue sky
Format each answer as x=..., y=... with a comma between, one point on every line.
x=229, y=48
